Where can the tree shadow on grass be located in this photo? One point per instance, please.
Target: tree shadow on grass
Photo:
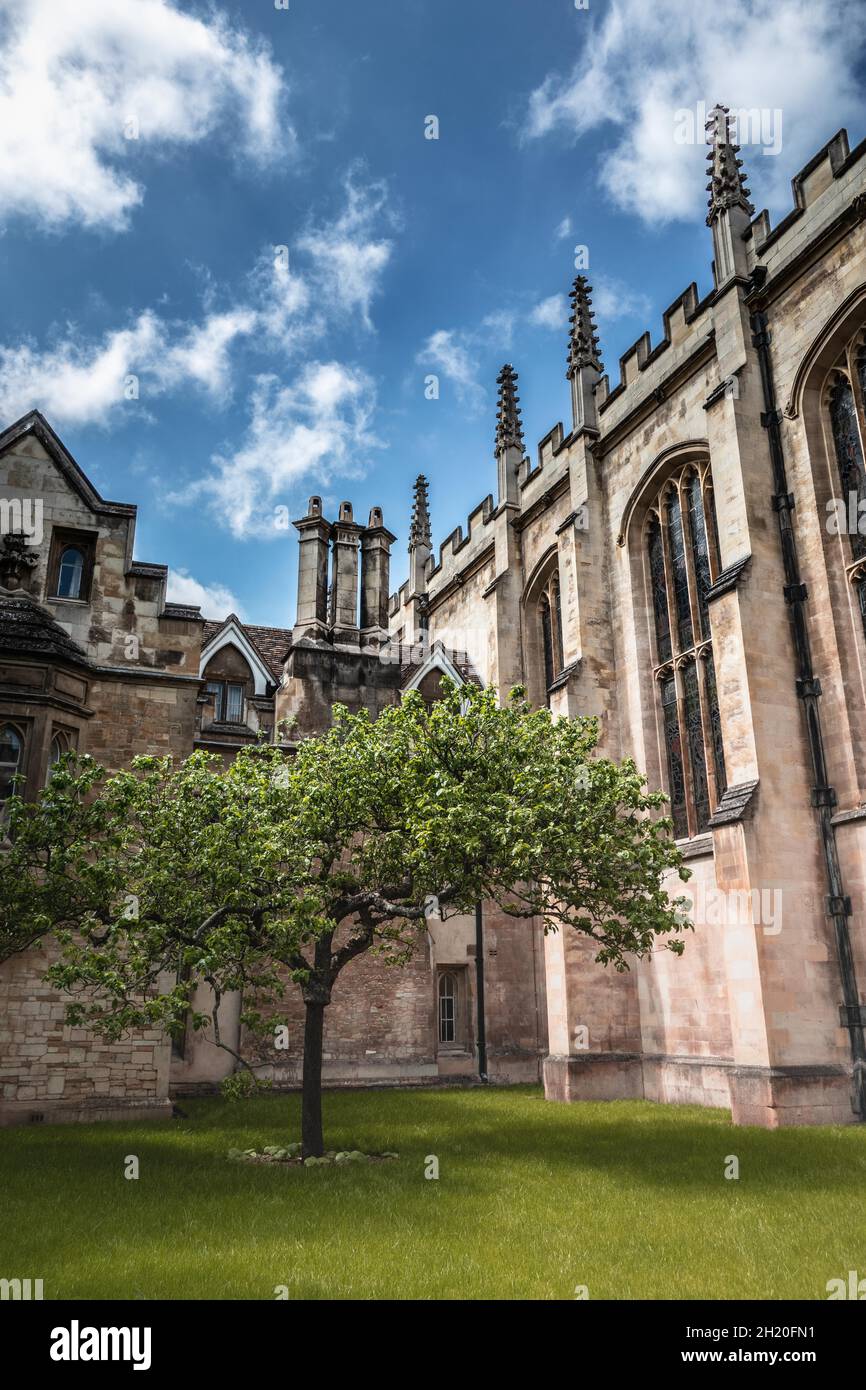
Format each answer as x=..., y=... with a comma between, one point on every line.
x=515, y=1172
x=650, y=1145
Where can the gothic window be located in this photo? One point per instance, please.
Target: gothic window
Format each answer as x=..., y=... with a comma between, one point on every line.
x=447, y=1007
x=844, y=404
x=550, y=618
x=547, y=639
x=60, y=743
x=11, y=749
x=682, y=563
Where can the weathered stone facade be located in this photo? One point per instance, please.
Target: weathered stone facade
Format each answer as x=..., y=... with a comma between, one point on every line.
x=737, y=397
x=94, y=658
x=669, y=565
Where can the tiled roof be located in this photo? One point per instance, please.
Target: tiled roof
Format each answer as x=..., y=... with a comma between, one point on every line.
x=27, y=629
x=271, y=643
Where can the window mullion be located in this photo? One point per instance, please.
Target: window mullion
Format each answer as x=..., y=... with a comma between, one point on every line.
x=707, y=732
x=670, y=598
x=685, y=745
x=857, y=392
x=689, y=556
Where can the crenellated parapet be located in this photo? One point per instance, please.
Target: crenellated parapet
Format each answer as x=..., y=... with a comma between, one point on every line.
x=687, y=326
x=458, y=549
x=827, y=189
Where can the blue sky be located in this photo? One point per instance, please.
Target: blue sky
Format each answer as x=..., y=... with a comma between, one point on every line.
x=238, y=208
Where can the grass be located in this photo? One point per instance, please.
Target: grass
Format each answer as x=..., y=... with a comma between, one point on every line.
x=533, y=1199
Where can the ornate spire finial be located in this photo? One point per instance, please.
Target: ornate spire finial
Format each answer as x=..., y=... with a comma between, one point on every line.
x=727, y=184
x=509, y=431
x=419, y=527
x=583, y=348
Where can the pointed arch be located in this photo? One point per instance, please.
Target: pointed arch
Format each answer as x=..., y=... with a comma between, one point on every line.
x=674, y=544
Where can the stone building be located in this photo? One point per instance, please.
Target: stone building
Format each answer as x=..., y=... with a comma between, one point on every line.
x=687, y=562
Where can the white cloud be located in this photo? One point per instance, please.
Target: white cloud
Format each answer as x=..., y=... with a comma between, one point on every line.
x=563, y=230
x=347, y=257
x=613, y=299
x=75, y=382
x=319, y=427
x=79, y=382
x=498, y=328
x=203, y=354
x=91, y=381
x=214, y=600
x=641, y=63
x=551, y=312
x=284, y=302
x=84, y=85
x=448, y=352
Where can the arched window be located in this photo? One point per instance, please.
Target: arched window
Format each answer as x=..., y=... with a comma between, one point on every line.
x=447, y=1007
x=11, y=748
x=60, y=744
x=70, y=572
x=844, y=406
x=682, y=563
x=550, y=618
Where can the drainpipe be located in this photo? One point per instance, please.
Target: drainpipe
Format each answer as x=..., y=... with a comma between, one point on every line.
x=852, y=1013
x=479, y=992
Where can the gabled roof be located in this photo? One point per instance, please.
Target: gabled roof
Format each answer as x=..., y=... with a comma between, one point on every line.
x=456, y=665
x=34, y=423
x=263, y=647
x=273, y=643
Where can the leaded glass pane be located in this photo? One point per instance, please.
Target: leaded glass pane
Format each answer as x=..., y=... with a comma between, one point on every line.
x=712, y=527
x=557, y=613
x=10, y=756
x=659, y=590
x=547, y=639
x=716, y=728
x=70, y=573
x=235, y=704
x=695, y=740
x=216, y=688
x=849, y=455
x=676, y=776
x=700, y=550
x=447, y=1011
x=680, y=576
x=861, y=371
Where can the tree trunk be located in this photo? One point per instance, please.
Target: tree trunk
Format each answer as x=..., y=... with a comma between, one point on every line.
x=312, y=1137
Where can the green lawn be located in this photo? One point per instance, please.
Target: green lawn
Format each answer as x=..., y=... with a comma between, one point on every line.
x=533, y=1199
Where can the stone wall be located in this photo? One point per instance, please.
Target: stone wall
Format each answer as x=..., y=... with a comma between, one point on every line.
x=50, y=1071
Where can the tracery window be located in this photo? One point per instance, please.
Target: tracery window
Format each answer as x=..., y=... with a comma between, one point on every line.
x=550, y=617
x=682, y=563
x=11, y=748
x=844, y=404
x=60, y=743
